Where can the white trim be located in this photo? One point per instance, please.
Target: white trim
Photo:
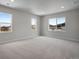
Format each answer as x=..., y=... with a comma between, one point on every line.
x=18, y=39
x=35, y=17
x=56, y=25
x=11, y=23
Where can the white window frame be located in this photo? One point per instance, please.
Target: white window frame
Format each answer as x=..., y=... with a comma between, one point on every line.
x=11, y=24
x=35, y=19
x=56, y=24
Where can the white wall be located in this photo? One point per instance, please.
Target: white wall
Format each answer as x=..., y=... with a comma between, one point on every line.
x=21, y=25
x=72, y=25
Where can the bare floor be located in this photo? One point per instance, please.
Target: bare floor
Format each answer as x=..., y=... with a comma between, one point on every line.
x=40, y=48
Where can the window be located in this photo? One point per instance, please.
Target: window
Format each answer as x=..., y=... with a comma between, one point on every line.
x=34, y=24
x=57, y=24
x=5, y=22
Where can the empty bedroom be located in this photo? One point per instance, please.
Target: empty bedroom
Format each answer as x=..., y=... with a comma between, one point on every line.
x=39, y=29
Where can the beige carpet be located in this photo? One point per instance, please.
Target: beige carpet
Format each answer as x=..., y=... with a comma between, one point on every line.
x=40, y=48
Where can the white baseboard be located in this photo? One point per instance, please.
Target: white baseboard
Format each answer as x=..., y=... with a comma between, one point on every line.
x=18, y=39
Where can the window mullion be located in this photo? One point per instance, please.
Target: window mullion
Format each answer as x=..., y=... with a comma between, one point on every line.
x=56, y=23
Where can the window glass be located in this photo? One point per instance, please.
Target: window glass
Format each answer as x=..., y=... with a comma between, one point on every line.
x=5, y=22
x=57, y=24
x=34, y=24
x=61, y=23
x=52, y=24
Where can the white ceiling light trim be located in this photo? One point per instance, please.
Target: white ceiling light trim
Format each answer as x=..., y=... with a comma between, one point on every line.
x=12, y=0
x=62, y=7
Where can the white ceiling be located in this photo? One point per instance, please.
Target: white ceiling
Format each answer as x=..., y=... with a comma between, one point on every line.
x=41, y=7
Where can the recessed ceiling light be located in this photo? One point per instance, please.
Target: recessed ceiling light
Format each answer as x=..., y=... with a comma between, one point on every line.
x=12, y=0
x=62, y=6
